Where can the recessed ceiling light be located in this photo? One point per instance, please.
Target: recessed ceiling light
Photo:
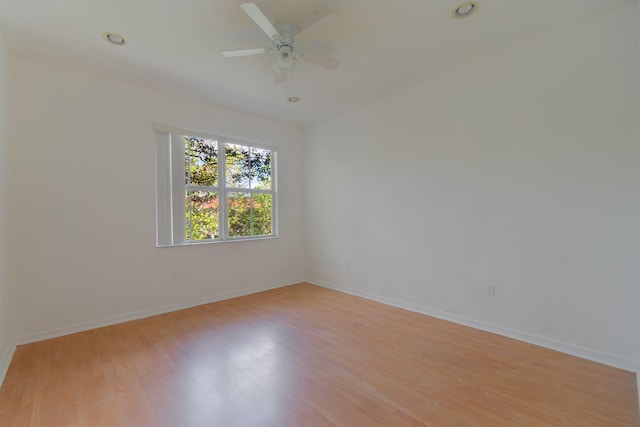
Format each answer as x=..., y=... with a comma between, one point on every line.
x=115, y=39
x=465, y=9
x=293, y=99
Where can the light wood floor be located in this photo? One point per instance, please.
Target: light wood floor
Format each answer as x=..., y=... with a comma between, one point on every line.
x=306, y=356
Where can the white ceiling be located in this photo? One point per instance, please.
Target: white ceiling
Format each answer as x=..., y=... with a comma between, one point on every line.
x=384, y=45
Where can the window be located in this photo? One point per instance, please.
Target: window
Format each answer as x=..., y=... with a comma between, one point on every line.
x=211, y=188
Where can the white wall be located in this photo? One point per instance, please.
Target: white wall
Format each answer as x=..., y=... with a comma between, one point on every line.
x=6, y=331
x=83, y=203
x=518, y=170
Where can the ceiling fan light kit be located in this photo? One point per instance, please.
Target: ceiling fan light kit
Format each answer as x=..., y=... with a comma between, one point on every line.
x=288, y=52
x=285, y=59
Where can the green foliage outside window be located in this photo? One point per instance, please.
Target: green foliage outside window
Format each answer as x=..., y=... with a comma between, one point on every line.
x=249, y=214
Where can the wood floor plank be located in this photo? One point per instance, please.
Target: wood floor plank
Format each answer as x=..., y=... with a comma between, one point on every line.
x=306, y=356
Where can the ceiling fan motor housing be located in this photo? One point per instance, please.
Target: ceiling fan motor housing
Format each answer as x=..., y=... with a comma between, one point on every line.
x=284, y=44
x=285, y=56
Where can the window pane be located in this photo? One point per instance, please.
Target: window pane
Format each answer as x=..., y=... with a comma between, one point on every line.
x=262, y=215
x=239, y=214
x=202, y=215
x=260, y=168
x=201, y=161
x=238, y=165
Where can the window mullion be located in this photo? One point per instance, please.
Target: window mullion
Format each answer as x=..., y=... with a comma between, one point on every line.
x=209, y=188
x=250, y=171
x=188, y=164
x=187, y=161
x=251, y=214
x=222, y=192
x=274, y=194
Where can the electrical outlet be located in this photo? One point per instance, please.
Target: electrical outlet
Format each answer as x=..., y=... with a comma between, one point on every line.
x=173, y=276
x=490, y=290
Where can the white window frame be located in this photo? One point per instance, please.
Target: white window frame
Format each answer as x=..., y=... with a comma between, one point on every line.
x=171, y=188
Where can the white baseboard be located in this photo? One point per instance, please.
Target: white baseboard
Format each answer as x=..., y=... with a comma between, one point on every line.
x=85, y=326
x=6, y=359
x=572, y=349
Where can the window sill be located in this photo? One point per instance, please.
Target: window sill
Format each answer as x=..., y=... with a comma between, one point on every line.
x=215, y=242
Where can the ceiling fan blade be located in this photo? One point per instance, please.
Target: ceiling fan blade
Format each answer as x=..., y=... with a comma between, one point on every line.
x=320, y=59
x=258, y=17
x=246, y=52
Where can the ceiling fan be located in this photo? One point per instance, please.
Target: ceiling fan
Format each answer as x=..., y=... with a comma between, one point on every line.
x=288, y=51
